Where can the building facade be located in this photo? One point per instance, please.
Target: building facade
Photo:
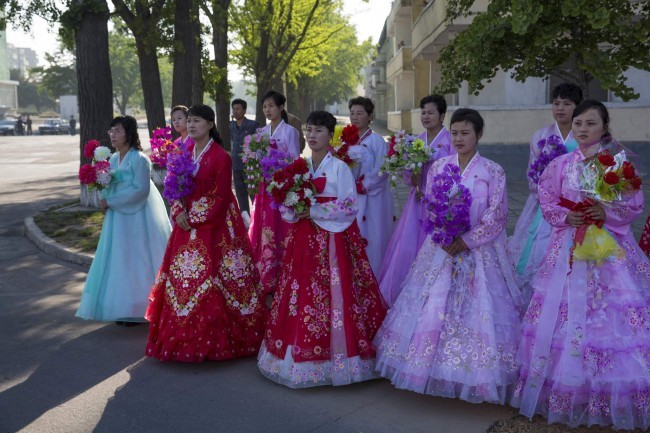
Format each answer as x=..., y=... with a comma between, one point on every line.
x=21, y=58
x=8, y=88
x=417, y=30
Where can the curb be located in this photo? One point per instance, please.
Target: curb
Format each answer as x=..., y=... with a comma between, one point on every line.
x=53, y=248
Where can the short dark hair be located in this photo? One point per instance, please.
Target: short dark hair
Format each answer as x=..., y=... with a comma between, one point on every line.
x=366, y=103
x=176, y=108
x=238, y=101
x=130, y=126
x=468, y=115
x=437, y=100
x=206, y=112
x=569, y=91
x=322, y=118
x=589, y=104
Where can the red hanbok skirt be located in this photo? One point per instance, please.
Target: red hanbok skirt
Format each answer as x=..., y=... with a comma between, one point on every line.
x=206, y=303
x=326, y=311
x=644, y=243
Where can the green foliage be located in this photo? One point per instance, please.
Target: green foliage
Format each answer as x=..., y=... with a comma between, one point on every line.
x=216, y=80
x=577, y=40
x=30, y=96
x=59, y=77
x=337, y=75
x=270, y=34
x=125, y=69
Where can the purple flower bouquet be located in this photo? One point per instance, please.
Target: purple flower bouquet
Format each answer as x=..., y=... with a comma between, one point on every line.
x=549, y=149
x=179, y=181
x=447, y=203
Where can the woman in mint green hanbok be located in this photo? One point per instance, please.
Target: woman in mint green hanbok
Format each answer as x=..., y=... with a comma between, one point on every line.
x=134, y=235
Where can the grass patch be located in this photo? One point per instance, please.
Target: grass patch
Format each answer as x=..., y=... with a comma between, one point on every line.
x=75, y=229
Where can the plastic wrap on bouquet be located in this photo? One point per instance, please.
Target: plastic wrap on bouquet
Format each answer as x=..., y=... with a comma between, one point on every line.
x=89, y=197
x=158, y=175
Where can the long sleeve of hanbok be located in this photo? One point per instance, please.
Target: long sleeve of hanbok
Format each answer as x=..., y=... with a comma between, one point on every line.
x=291, y=141
x=493, y=220
x=374, y=182
x=212, y=206
x=623, y=212
x=550, y=191
x=133, y=197
x=337, y=215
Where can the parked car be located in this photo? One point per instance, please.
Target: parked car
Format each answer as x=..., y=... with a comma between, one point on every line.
x=7, y=127
x=54, y=126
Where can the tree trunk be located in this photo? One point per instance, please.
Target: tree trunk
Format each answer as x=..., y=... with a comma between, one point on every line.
x=220, y=42
x=151, y=87
x=187, y=86
x=94, y=84
x=94, y=81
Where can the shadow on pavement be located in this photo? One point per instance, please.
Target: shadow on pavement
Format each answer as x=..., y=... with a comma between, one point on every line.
x=68, y=371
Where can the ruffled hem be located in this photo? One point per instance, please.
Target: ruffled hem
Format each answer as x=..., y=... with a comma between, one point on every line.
x=337, y=372
x=623, y=405
x=210, y=332
x=491, y=392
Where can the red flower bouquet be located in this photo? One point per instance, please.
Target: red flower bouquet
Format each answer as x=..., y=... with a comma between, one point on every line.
x=292, y=186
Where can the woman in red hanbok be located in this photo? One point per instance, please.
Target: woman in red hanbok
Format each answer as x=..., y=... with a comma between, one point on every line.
x=327, y=307
x=206, y=301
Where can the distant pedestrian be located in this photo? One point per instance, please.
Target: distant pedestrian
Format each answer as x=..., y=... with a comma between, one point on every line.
x=240, y=127
x=28, y=123
x=73, y=125
x=19, y=127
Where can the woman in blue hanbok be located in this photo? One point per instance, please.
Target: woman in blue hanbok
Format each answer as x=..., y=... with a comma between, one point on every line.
x=134, y=235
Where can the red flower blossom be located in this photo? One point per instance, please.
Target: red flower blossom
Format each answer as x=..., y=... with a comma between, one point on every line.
x=606, y=159
x=628, y=170
x=89, y=148
x=350, y=135
x=635, y=183
x=611, y=178
x=87, y=174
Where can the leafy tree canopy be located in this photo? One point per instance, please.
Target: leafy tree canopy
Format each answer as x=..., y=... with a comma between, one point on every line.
x=577, y=40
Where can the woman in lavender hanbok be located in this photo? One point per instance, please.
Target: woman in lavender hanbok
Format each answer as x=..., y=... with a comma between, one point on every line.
x=376, y=217
x=268, y=231
x=531, y=235
x=454, y=329
x=585, y=349
x=409, y=235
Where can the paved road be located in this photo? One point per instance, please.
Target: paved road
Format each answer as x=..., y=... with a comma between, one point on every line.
x=62, y=374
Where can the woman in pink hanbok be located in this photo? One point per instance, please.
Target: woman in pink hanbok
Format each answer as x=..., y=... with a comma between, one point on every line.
x=268, y=231
x=585, y=349
x=327, y=308
x=376, y=217
x=454, y=329
x=409, y=235
x=532, y=233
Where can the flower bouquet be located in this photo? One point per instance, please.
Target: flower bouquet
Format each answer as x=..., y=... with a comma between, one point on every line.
x=274, y=160
x=96, y=175
x=405, y=153
x=161, y=146
x=292, y=187
x=344, y=145
x=179, y=181
x=447, y=203
x=549, y=149
x=254, y=148
x=603, y=179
